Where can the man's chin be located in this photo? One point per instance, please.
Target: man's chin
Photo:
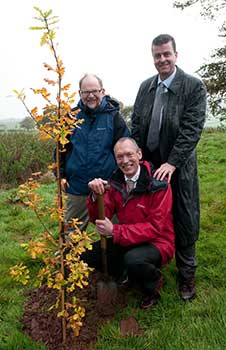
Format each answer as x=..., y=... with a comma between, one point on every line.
x=129, y=174
x=91, y=105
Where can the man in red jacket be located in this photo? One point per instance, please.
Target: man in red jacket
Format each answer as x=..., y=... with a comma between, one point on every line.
x=144, y=239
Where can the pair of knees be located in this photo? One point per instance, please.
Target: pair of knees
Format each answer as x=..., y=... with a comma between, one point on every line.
x=140, y=271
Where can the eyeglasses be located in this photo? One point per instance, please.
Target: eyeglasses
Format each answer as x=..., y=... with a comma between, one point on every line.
x=93, y=92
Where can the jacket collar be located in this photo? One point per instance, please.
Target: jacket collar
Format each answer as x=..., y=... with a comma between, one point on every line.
x=175, y=86
x=145, y=183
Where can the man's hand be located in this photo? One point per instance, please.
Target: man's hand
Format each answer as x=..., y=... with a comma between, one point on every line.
x=64, y=184
x=165, y=170
x=104, y=227
x=98, y=185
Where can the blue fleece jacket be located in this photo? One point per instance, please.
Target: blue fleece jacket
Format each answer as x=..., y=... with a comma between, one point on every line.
x=90, y=151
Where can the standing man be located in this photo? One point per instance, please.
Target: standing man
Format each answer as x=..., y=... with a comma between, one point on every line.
x=143, y=240
x=167, y=122
x=89, y=153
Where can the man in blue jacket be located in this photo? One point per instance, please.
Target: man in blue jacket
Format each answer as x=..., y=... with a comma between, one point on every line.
x=89, y=154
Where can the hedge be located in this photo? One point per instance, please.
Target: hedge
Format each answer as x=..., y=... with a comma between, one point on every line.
x=21, y=154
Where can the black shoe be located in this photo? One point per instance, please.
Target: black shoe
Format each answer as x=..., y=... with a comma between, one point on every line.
x=125, y=285
x=150, y=301
x=187, y=289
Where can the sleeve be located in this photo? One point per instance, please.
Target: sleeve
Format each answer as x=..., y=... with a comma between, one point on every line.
x=63, y=157
x=191, y=124
x=158, y=224
x=135, y=119
x=120, y=128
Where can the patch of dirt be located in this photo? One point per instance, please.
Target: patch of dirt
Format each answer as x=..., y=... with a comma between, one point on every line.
x=44, y=326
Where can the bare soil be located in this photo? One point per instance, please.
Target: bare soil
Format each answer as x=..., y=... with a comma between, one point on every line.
x=44, y=326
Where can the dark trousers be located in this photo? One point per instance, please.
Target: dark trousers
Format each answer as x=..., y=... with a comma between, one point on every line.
x=140, y=263
x=185, y=214
x=186, y=261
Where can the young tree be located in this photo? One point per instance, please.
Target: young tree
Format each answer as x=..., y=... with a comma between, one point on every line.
x=56, y=121
x=214, y=72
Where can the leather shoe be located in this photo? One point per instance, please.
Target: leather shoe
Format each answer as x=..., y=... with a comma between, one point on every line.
x=125, y=285
x=187, y=289
x=150, y=301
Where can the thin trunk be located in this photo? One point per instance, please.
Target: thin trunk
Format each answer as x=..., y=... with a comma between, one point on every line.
x=61, y=239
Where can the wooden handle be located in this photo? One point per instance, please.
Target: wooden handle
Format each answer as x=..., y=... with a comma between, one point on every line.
x=100, y=203
x=103, y=239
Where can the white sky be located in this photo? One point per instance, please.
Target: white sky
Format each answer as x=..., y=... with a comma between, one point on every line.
x=109, y=38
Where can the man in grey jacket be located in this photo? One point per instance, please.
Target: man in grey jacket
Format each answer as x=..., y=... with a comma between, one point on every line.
x=167, y=121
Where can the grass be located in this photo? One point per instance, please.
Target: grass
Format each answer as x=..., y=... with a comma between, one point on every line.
x=173, y=324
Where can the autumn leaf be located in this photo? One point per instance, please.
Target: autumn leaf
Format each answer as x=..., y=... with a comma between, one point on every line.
x=52, y=166
x=66, y=87
x=39, y=118
x=61, y=71
x=50, y=82
x=34, y=111
x=48, y=67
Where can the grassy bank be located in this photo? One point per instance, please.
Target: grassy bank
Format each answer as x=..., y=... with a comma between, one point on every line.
x=173, y=324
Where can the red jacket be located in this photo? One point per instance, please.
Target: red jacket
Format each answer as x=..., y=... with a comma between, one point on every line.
x=144, y=216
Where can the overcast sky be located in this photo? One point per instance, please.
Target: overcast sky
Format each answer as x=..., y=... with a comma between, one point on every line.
x=109, y=38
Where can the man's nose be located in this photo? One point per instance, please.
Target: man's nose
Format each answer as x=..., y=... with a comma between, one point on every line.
x=91, y=94
x=162, y=58
x=125, y=159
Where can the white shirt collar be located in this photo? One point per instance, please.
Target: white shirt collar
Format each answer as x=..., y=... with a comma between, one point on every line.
x=135, y=177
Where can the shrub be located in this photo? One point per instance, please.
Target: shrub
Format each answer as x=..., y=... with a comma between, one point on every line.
x=21, y=154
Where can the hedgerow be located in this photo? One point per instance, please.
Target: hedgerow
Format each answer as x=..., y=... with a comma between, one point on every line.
x=21, y=154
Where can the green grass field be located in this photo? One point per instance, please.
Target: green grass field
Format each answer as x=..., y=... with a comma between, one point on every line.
x=172, y=324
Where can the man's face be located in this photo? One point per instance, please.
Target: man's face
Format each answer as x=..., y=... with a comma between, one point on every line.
x=164, y=59
x=127, y=157
x=91, y=92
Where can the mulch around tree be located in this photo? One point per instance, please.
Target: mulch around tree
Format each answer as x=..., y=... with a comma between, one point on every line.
x=44, y=326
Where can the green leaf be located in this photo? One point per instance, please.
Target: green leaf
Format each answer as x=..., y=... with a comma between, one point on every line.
x=44, y=39
x=37, y=28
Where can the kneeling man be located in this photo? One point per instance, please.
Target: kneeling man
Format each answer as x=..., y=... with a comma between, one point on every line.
x=143, y=239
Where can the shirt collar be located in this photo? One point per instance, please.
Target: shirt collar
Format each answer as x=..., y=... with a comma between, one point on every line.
x=169, y=80
x=135, y=177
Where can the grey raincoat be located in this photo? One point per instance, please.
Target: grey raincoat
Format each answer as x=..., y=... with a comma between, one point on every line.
x=182, y=124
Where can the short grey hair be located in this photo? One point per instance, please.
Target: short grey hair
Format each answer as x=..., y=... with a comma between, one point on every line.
x=126, y=138
x=90, y=75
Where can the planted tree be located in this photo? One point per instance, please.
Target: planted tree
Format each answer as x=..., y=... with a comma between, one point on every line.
x=64, y=272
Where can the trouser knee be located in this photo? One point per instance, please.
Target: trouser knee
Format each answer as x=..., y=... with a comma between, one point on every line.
x=138, y=269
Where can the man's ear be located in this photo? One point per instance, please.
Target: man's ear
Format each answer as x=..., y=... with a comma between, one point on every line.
x=79, y=91
x=140, y=154
x=103, y=91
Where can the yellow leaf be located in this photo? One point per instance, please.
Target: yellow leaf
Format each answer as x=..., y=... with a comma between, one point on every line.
x=34, y=110
x=50, y=82
x=66, y=87
x=52, y=166
x=38, y=118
